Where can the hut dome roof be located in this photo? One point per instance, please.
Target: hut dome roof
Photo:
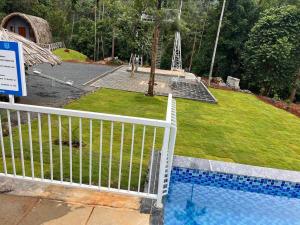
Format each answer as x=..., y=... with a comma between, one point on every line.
x=40, y=27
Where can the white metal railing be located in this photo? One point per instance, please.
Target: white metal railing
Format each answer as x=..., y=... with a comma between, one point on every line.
x=53, y=46
x=86, y=149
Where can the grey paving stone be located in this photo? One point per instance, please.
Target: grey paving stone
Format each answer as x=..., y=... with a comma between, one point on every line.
x=50, y=212
x=180, y=88
x=14, y=208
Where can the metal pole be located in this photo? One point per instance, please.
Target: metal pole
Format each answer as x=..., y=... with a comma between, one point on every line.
x=216, y=43
x=11, y=99
x=180, y=10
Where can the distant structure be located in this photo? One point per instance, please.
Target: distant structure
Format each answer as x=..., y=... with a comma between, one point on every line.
x=32, y=28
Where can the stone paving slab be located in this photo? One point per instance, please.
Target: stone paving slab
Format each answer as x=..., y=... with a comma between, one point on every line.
x=49, y=212
x=109, y=216
x=14, y=208
x=18, y=210
x=67, y=194
x=121, y=79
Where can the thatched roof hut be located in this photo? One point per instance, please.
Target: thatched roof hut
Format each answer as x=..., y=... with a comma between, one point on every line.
x=33, y=53
x=33, y=28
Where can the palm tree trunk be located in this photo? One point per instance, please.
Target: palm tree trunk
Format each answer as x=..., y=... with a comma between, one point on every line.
x=153, y=61
x=154, y=52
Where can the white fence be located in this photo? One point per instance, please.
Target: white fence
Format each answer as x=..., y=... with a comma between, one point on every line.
x=89, y=150
x=53, y=46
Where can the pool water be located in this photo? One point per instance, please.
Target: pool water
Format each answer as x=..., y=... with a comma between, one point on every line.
x=205, y=203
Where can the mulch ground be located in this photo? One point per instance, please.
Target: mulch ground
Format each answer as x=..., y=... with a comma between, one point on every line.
x=292, y=108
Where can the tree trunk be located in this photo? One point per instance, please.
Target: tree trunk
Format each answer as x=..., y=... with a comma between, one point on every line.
x=72, y=29
x=102, y=47
x=132, y=60
x=294, y=87
x=95, y=41
x=154, y=52
x=193, y=52
x=153, y=61
x=113, y=44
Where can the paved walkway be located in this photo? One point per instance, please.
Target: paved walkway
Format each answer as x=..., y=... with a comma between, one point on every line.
x=78, y=73
x=18, y=210
x=190, y=88
x=33, y=203
x=122, y=80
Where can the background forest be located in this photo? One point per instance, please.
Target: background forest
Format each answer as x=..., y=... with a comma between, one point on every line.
x=259, y=40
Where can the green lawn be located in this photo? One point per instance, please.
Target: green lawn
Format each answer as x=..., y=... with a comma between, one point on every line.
x=240, y=128
x=71, y=55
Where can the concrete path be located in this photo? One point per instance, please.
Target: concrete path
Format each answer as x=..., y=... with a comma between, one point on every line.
x=79, y=73
x=188, y=88
x=122, y=80
x=34, y=203
x=17, y=210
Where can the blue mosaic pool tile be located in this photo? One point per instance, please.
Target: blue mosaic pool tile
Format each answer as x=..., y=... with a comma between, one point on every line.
x=236, y=182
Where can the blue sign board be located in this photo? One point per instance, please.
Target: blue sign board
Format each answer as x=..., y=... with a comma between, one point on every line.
x=12, y=71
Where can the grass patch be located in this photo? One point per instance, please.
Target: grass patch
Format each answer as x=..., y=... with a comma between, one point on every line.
x=96, y=102
x=69, y=55
x=240, y=128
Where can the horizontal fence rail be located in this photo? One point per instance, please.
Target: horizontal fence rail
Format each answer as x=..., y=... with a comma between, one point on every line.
x=53, y=46
x=89, y=150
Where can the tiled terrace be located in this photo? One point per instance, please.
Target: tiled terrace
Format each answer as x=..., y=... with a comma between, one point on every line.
x=29, y=203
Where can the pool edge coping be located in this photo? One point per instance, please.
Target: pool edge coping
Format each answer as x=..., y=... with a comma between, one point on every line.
x=236, y=168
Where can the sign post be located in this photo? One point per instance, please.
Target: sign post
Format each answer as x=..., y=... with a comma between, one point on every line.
x=12, y=71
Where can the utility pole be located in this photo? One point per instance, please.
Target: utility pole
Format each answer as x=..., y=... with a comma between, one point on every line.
x=216, y=44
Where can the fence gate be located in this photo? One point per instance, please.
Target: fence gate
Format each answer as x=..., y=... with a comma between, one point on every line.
x=90, y=150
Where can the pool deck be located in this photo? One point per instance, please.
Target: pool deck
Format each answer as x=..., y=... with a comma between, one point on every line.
x=236, y=168
x=31, y=203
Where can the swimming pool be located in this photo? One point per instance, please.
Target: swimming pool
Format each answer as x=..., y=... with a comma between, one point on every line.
x=198, y=197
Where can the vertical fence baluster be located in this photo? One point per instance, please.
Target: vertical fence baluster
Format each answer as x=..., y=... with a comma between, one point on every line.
x=41, y=145
x=21, y=143
x=11, y=142
x=50, y=146
x=100, y=154
x=121, y=156
x=91, y=153
x=70, y=148
x=30, y=144
x=152, y=158
x=80, y=151
x=141, y=161
x=162, y=167
x=60, y=149
x=131, y=154
x=3, y=149
x=110, y=152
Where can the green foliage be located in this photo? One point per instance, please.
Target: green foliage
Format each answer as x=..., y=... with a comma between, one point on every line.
x=239, y=18
x=272, y=51
x=83, y=38
x=118, y=22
